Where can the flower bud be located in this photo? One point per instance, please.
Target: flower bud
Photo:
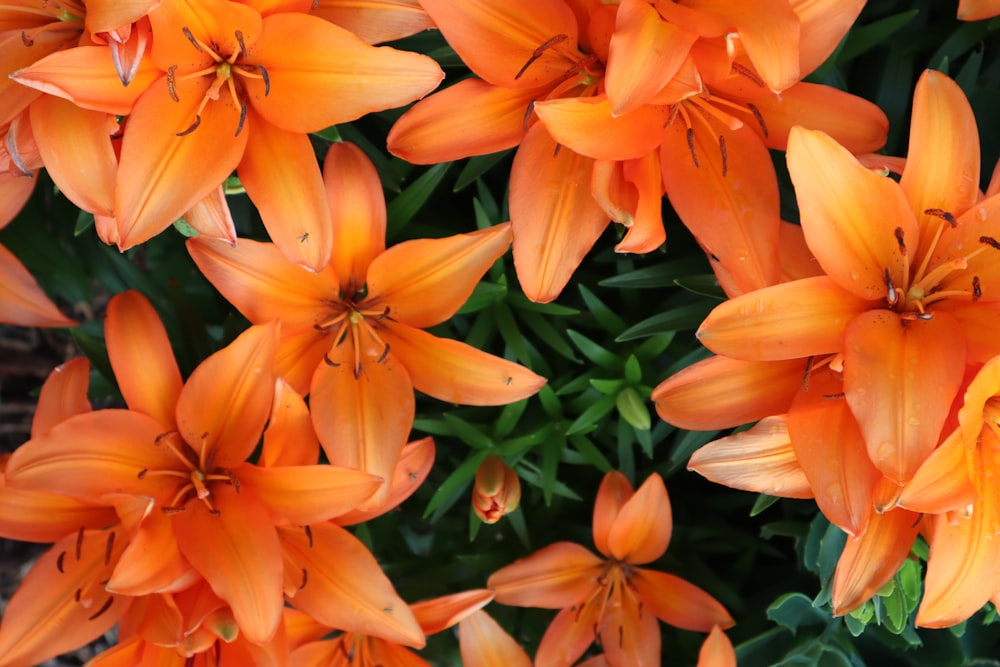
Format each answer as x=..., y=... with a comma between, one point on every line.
x=497, y=490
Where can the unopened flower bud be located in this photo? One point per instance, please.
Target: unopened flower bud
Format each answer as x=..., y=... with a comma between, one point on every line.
x=497, y=490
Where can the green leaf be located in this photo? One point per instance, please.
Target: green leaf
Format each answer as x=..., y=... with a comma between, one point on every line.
x=633, y=371
x=606, y=317
x=483, y=295
x=877, y=33
x=594, y=352
x=467, y=433
x=705, y=284
x=595, y=412
x=409, y=202
x=84, y=221
x=475, y=167
x=453, y=487
x=762, y=503
x=633, y=409
x=658, y=276
x=548, y=334
x=509, y=417
x=590, y=452
x=681, y=318
x=507, y=326
x=521, y=302
x=794, y=610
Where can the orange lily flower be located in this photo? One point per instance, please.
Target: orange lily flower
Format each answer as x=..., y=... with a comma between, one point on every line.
x=612, y=600
x=638, y=105
x=174, y=466
x=231, y=90
x=351, y=334
x=976, y=10
x=375, y=20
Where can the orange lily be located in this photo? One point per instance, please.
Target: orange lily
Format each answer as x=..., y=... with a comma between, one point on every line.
x=976, y=10
x=375, y=20
x=174, y=466
x=612, y=600
x=351, y=335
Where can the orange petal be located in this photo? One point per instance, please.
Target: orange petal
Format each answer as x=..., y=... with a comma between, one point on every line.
x=629, y=636
x=717, y=650
x=362, y=419
x=976, y=10
x=554, y=218
x=678, y=602
x=20, y=48
x=821, y=27
x=307, y=494
x=443, y=612
x=770, y=36
x=484, y=643
x=257, y=279
x=900, y=379
x=942, y=167
x=569, y=635
x=63, y=395
x=345, y=587
x=942, y=482
x=968, y=246
x=212, y=218
x=472, y=117
x=227, y=399
x=857, y=223
x=760, y=459
x=108, y=15
x=299, y=355
x=41, y=516
x=239, y=555
x=797, y=260
x=44, y=618
x=357, y=212
x=644, y=220
x=587, y=126
x=963, y=570
x=641, y=530
x=557, y=576
x=412, y=469
x=615, y=491
x=870, y=560
x=645, y=54
x=152, y=561
x=831, y=452
x=22, y=301
x=215, y=22
x=142, y=358
x=282, y=178
x=518, y=44
x=787, y=321
x=289, y=439
x=424, y=281
x=720, y=392
x=331, y=76
x=15, y=190
x=453, y=371
x=721, y=182
x=164, y=170
x=375, y=20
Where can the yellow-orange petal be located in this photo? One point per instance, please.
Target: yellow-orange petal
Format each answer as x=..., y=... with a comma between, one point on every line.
x=412, y=468
x=629, y=635
x=348, y=591
x=678, y=602
x=942, y=165
x=152, y=561
x=19, y=48
x=41, y=516
x=720, y=392
x=968, y=244
x=770, y=35
x=900, y=379
x=942, y=483
x=375, y=20
x=142, y=358
x=760, y=459
x=963, y=570
x=857, y=223
x=717, y=650
x=443, y=612
x=517, y=44
x=220, y=23
x=227, y=399
x=556, y=576
x=554, y=218
x=586, y=125
x=162, y=175
x=870, y=560
x=307, y=494
x=289, y=439
x=615, y=491
x=450, y=370
x=641, y=531
x=331, y=76
x=357, y=213
x=722, y=184
x=645, y=54
x=643, y=219
x=821, y=27
x=63, y=395
x=831, y=451
x=424, y=281
x=568, y=636
x=212, y=218
x=22, y=301
x=472, y=117
x=483, y=643
x=282, y=178
x=239, y=555
x=804, y=318
x=362, y=418
x=797, y=260
x=300, y=353
x=108, y=15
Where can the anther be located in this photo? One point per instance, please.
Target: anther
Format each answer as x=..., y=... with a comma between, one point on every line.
x=79, y=543
x=234, y=480
x=759, y=117
x=621, y=636
x=194, y=126
x=385, y=353
x=243, y=46
x=60, y=559
x=305, y=579
x=527, y=115
x=77, y=595
x=109, y=547
x=690, y=140
x=172, y=83
x=27, y=41
x=748, y=73
x=194, y=42
x=537, y=53
x=104, y=607
x=267, y=80
x=943, y=214
x=725, y=155
x=990, y=241
x=243, y=118
x=805, y=376
x=835, y=396
x=329, y=362
x=898, y=232
x=309, y=534
x=891, y=295
x=142, y=473
x=977, y=289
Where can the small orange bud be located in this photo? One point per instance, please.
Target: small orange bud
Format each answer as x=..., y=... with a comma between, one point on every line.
x=497, y=490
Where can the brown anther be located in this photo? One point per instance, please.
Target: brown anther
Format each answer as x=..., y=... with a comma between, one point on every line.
x=233, y=480
x=215, y=512
x=243, y=46
x=834, y=396
x=328, y=361
x=537, y=53
x=748, y=73
x=384, y=314
x=759, y=117
x=898, y=233
x=79, y=543
x=358, y=370
x=621, y=636
x=805, y=376
x=243, y=118
x=943, y=214
x=892, y=296
x=142, y=473
x=267, y=80
x=194, y=42
x=990, y=241
x=385, y=353
x=27, y=41
x=104, y=607
x=527, y=115
x=305, y=579
x=172, y=83
x=109, y=547
x=194, y=126
x=60, y=559
x=77, y=595
x=690, y=140
x=725, y=155
x=172, y=510
x=977, y=289
x=555, y=153
x=309, y=534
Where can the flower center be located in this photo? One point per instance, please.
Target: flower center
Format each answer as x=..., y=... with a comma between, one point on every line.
x=227, y=72
x=359, y=322
x=195, y=475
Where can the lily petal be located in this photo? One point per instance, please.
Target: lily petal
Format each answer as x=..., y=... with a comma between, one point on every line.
x=641, y=531
x=717, y=650
x=483, y=643
x=821, y=27
x=41, y=516
x=587, y=126
x=63, y=395
x=630, y=636
x=678, y=602
x=760, y=459
x=556, y=576
x=212, y=218
x=19, y=49
x=302, y=495
x=152, y=561
x=412, y=469
x=375, y=20
x=142, y=358
x=568, y=636
x=614, y=492
x=349, y=591
x=443, y=612
x=289, y=439
x=424, y=281
x=942, y=483
x=22, y=301
x=357, y=213
x=976, y=10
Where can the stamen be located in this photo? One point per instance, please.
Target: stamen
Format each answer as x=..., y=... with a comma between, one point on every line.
x=60, y=561
x=977, y=289
x=194, y=42
x=748, y=73
x=79, y=543
x=108, y=547
x=305, y=578
x=172, y=83
x=899, y=240
x=243, y=117
x=194, y=126
x=990, y=241
x=892, y=297
x=835, y=396
x=329, y=362
x=690, y=140
x=537, y=53
x=104, y=607
x=527, y=115
x=267, y=80
x=15, y=155
x=243, y=46
x=27, y=41
x=385, y=353
x=944, y=215
x=309, y=534
x=77, y=594
x=759, y=117
x=725, y=160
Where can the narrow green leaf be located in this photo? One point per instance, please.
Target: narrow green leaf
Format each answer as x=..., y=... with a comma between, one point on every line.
x=590, y=452
x=594, y=352
x=681, y=318
x=793, y=610
x=866, y=37
x=467, y=433
x=606, y=317
x=762, y=503
x=548, y=334
x=594, y=412
x=409, y=202
x=475, y=167
x=453, y=487
x=658, y=276
x=483, y=295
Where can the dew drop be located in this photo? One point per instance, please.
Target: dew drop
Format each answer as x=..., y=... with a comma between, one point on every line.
x=884, y=451
x=982, y=214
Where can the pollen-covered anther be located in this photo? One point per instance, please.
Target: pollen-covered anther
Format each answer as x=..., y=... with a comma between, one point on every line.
x=943, y=214
x=537, y=53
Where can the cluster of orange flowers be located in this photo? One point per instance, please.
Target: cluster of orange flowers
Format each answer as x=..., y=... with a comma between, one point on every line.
x=862, y=341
